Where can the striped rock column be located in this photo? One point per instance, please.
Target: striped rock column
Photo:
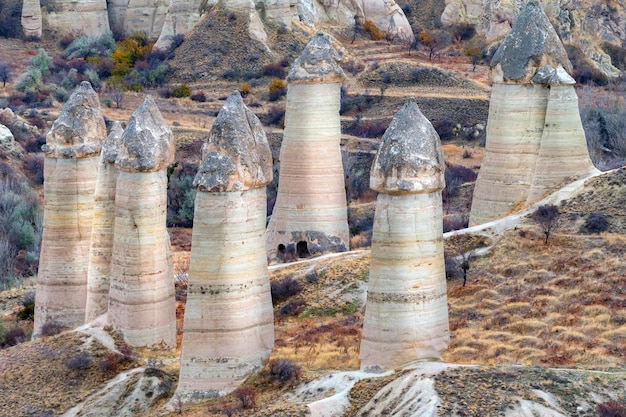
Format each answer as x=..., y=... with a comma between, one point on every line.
x=70, y=169
x=310, y=214
x=99, y=268
x=141, y=295
x=517, y=115
x=229, y=322
x=563, y=154
x=406, y=312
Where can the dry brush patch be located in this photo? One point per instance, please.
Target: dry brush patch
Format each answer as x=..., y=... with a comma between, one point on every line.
x=534, y=304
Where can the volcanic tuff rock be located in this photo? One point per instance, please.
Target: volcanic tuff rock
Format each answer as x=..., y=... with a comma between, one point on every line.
x=310, y=214
x=31, y=18
x=585, y=23
x=406, y=312
x=535, y=139
x=228, y=328
x=84, y=16
x=70, y=170
x=141, y=295
x=236, y=154
x=102, y=227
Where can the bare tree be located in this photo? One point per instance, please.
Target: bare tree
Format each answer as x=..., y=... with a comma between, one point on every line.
x=115, y=88
x=546, y=217
x=5, y=72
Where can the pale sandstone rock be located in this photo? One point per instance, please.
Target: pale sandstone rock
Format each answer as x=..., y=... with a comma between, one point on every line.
x=6, y=137
x=563, y=155
x=406, y=312
x=146, y=16
x=228, y=328
x=310, y=214
x=70, y=171
x=84, y=16
x=388, y=17
x=534, y=138
x=102, y=228
x=31, y=18
x=141, y=295
x=181, y=17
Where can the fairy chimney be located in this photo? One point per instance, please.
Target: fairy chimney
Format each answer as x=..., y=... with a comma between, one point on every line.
x=310, y=214
x=71, y=165
x=99, y=268
x=516, y=126
x=141, y=295
x=228, y=329
x=406, y=312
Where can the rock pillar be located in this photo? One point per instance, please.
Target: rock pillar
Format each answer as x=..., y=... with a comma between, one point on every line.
x=519, y=126
x=310, y=214
x=70, y=169
x=406, y=312
x=563, y=154
x=141, y=295
x=228, y=330
x=31, y=18
x=102, y=228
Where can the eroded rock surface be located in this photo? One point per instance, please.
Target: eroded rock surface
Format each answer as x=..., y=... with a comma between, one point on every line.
x=70, y=170
x=141, y=296
x=310, y=214
x=406, y=312
x=228, y=328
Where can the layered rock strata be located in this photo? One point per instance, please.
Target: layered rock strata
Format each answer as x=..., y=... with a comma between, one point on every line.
x=99, y=269
x=70, y=170
x=71, y=17
x=228, y=329
x=31, y=19
x=141, y=295
x=406, y=312
x=521, y=124
x=310, y=214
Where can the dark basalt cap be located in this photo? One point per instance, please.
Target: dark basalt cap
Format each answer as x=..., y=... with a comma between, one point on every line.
x=147, y=144
x=236, y=153
x=410, y=159
x=531, y=44
x=112, y=143
x=79, y=130
x=317, y=63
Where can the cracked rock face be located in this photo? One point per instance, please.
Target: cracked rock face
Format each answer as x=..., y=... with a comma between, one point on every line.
x=79, y=130
x=531, y=44
x=112, y=143
x=410, y=159
x=236, y=154
x=147, y=143
x=317, y=63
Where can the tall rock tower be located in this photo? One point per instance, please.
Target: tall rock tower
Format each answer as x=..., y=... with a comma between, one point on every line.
x=141, y=295
x=310, y=215
x=406, y=313
x=516, y=127
x=70, y=170
x=229, y=322
x=102, y=228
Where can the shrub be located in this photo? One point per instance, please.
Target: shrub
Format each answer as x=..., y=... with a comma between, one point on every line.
x=292, y=308
x=463, y=31
x=274, y=69
x=91, y=46
x=33, y=166
x=10, y=18
x=42, y=61
x=81, y=362
x=460, y=172
x=283, y=289
x=276, y=116
x=13, y=337
x=181, y=91
x=247, y=395
x=51, y=328
x=5, y=72
x=595, y=223
x=283, y=371
x=354, y=67
x=611, y=409
x=164, y=92
x=181, y=196
x=30, y=81
x=28, y=312
x=244, y=89
x=277, y=89
x=199, y=96
x=372, y=30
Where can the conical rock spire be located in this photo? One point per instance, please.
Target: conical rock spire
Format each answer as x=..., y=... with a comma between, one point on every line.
x=410, y=159
x=317, y=63
x=147, y=143
x=236, y=154
x=79, y=130
x=531, y=44
x=112, y=143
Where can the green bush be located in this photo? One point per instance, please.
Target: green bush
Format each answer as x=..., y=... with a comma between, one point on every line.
x=181, y=91
x=91, y=46
x=181, y=196
x=30, y=82
x=42, y=61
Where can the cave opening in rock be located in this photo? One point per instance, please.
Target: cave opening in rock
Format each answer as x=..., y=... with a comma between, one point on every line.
x=281, y=248
x=302, y=248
